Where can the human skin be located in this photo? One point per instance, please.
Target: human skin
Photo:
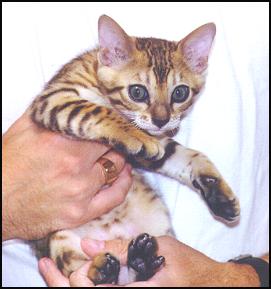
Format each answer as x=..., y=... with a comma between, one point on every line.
x=185, y=267
x=52, y=183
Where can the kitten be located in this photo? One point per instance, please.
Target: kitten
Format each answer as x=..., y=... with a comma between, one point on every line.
x=131, y=93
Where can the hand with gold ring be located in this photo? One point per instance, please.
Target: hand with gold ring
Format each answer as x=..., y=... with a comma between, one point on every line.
x=51, y=182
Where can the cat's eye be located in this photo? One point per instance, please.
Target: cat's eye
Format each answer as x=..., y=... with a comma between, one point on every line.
x=180, y=93
x=138, y=93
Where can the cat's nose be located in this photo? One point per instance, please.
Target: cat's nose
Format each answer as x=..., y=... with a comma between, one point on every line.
x=159, y=122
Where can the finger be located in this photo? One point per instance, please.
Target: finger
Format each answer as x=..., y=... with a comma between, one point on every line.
x=51, y=274
x=98, y=169
x=110, y=197
x=135, y=284
x=117, y=247
x=79, y=278
x=91, y=178
x=143, y=284
x=108, y=285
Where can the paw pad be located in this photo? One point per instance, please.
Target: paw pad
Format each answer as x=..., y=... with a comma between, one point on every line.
x=142, y=256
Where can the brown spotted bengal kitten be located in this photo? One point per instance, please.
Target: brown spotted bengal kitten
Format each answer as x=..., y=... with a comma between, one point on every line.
x=131, y=93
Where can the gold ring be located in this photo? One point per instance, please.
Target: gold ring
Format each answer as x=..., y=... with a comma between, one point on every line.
x=109, y=170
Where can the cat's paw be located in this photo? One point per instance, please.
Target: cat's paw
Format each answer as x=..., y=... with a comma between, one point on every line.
x=104, y=269
x=138, y=143
x=142, y=256
x=218, y=196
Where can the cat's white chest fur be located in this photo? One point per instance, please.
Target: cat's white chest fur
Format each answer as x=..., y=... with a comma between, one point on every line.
x=92, y=95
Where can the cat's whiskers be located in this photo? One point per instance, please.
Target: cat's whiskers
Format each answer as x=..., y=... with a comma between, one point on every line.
x=135, y=124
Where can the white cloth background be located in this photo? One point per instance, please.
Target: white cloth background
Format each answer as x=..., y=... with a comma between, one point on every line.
x=229, y=122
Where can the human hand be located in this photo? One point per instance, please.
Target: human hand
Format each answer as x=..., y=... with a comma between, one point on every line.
x=185, y=267
x=51, y=182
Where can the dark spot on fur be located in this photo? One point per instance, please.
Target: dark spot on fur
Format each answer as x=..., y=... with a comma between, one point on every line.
x=104, y=140
x=96, y=111
x=120, y=147
x=59, y=263
x=67, y=256
x=117, y=220
x=194, y=155
x=106, y=226
x=43, y=106
x=154, y=197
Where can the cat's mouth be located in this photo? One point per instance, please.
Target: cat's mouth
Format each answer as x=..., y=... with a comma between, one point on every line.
x=163, y=132
x=168, y=130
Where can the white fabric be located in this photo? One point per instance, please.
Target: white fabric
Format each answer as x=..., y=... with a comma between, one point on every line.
x=229, y=123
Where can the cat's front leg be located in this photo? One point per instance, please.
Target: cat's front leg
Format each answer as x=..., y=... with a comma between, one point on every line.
x=80, y=119
x=194, y=169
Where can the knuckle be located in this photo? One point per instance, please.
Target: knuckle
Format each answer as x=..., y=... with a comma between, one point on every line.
x=75, y=213
x=76, y=190
x=74, y=277
x=122, y=196
x=81, y=186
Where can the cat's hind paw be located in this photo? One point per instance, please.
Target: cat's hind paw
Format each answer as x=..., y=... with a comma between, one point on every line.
x=142, y=256
x=104, y=269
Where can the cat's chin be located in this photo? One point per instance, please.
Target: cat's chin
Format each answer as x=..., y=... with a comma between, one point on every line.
x=155, y=133
x=161, y=133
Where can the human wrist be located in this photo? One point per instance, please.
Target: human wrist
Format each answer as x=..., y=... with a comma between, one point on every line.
x=8, y=228
x=11, y=228
x=239, y=275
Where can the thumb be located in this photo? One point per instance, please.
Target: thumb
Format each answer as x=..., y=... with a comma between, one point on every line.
x=117, y=248
x=80, y=278
x=51, y=274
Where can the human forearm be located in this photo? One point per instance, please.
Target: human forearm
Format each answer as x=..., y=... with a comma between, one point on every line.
x=238, y=275
x=8, y=228
x=253, y=271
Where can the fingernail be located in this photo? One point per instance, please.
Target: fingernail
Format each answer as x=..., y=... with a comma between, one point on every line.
x=94, y=244
x=44, y=265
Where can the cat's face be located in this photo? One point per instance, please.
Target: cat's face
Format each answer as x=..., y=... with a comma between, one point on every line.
x=151, y=81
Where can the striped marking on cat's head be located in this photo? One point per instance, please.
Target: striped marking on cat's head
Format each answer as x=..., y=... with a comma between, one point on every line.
x=170, y=74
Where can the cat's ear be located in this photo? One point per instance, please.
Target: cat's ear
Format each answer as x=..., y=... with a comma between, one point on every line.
x=196, y=47
x=115, y=45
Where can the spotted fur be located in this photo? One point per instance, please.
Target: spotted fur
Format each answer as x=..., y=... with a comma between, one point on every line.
x=89, y=99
